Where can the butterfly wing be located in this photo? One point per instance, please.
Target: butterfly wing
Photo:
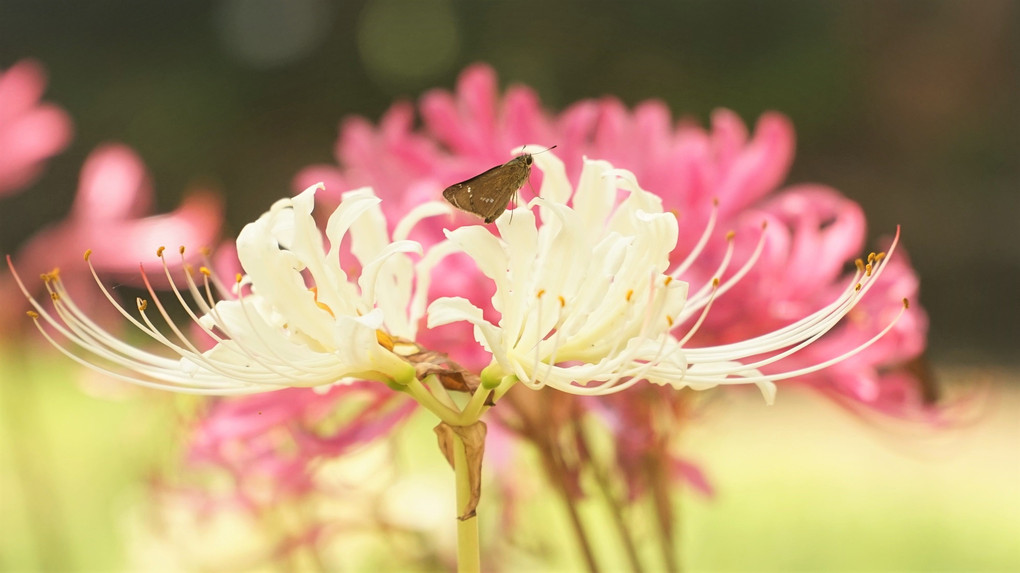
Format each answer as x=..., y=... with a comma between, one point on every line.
x=488, y=193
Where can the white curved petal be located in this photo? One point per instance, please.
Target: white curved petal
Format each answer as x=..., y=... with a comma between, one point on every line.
x=299, y=322
x=596, y=193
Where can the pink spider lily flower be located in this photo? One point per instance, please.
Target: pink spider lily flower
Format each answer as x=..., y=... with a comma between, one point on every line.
x=280, y=333
x=111, y=214
x=30, y=131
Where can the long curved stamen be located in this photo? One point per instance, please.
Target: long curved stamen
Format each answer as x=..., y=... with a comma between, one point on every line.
x=267, y=345
x=188, y=389
x=184, y=304
x=698, y=299
x=811, y=326
x=555, y=340
x=611, y=386
x=222, y=290
x=195, y=354
x=746, y=267
x=141, y=362
x=704, y=313
x=532, y=380
x=808, y=369
x=653, y=310
x=700, y=245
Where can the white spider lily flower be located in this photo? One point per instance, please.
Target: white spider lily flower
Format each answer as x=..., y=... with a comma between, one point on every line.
x=303, y=321
x=588, y=304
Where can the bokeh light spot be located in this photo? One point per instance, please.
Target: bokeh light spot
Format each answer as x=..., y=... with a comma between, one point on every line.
x=272, y=33
x=407, y=43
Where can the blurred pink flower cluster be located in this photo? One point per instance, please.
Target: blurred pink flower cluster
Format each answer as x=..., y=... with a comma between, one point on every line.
x=30, y=131
x=110, y=215
x=266, y=441
x=813, y=231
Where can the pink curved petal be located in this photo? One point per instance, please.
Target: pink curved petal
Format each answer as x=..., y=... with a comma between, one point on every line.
x=30, y=132
x=194, y=224
x=21, y=86
x=753, y=170
x=114, y=184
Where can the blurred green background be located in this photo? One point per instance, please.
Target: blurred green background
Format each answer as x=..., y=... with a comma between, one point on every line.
x=911, y=108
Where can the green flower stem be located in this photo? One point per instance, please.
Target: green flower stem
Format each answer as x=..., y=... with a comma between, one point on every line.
x=505, y=386
x=469, y=558
x=436, y=387
x=475, y=407
x=421, y=395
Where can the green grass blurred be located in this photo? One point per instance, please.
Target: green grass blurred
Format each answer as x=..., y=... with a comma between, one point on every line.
x=802, y=485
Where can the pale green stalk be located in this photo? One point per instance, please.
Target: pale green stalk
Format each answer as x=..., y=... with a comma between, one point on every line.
x=469, y=558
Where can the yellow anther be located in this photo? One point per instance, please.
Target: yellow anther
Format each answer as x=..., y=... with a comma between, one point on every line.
x=764, y=225
x=159, y=251
x=715, y=282
x=206, y=251
x=54, y=296
x=205, y=271
x=238, y=278
x=730, y=235
x=867, y=269
x=540, y=293
x=860, y=264
x=675, y=213
x=322, y=305
x=871, y=257
x=142, y=304
x=857, y=287
x=33, y=314
x=563, y=301
x=88, y=253
x=181, y=249
x=630, y=293
x=669, y=320
x=715, y=201
x=667, y=281
x=384, y=340
x=906, y=303
x=879, y=257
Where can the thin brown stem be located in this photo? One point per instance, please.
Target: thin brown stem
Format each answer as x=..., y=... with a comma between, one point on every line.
x=665, y=516
x=612, y=501
x=534, y=420
x=555, y=470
